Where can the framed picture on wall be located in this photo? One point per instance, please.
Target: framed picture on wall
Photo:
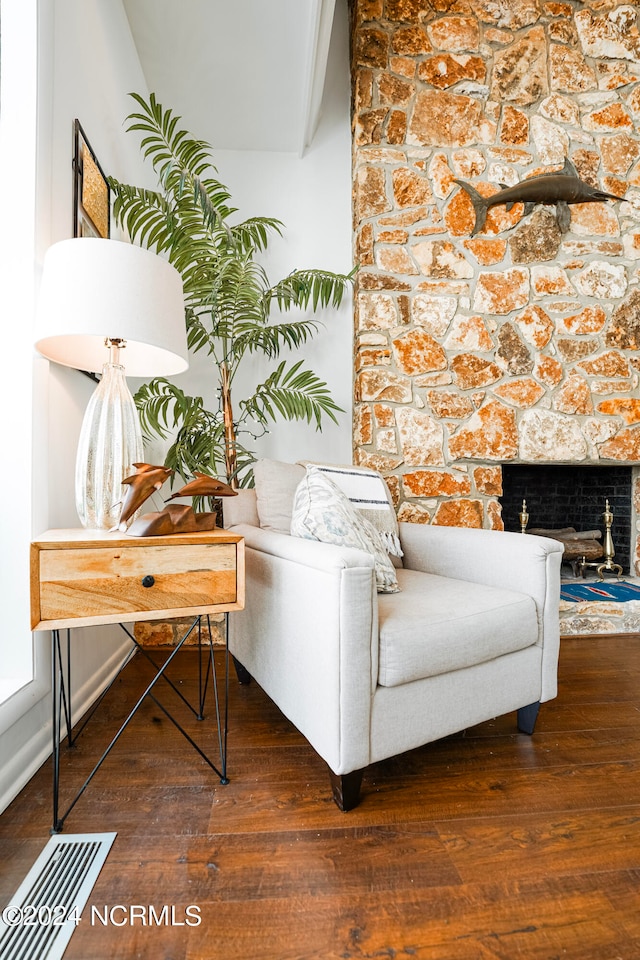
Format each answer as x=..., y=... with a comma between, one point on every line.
x=91, y=194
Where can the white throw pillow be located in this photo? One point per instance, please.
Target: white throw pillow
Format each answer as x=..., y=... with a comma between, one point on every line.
x=321, y=511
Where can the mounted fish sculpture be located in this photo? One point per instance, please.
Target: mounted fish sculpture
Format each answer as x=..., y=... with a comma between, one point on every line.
x=174, y=518
x=560, y=188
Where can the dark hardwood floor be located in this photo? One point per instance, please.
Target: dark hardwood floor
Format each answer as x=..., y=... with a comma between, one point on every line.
x=489, y=844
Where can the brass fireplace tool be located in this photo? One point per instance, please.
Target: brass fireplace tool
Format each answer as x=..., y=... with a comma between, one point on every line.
x=574, y=542
x=609, y=553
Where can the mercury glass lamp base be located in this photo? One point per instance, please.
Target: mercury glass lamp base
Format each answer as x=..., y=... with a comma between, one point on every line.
x=110, y=443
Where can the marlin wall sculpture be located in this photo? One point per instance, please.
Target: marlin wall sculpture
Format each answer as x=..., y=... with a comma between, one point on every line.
x=561, y=188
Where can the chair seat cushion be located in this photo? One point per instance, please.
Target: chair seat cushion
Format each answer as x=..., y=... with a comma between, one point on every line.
x=437, y=624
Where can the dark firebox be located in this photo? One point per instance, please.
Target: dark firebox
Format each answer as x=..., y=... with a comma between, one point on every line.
x=570, y=496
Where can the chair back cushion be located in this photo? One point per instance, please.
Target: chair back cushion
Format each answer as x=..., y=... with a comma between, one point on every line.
x=240, y=509
x=276, y=484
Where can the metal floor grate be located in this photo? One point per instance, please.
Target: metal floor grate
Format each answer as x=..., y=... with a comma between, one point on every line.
x=40, y=918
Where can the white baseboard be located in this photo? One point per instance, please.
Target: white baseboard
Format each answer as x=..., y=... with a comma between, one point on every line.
x=19, y=766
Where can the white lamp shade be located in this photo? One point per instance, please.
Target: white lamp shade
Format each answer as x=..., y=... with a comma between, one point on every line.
x=94, y=289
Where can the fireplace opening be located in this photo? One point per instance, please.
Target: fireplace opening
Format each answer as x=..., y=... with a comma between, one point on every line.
x=571, y=496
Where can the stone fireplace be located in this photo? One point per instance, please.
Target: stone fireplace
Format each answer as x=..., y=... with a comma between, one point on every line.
x=519, y=345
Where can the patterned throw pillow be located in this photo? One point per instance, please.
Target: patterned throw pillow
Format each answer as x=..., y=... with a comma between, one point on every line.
x=321, y=511
x=369, y=495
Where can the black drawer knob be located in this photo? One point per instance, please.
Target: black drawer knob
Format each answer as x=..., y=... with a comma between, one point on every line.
x=148, y=581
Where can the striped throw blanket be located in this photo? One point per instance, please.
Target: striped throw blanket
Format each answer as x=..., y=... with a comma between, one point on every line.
x=368, y=493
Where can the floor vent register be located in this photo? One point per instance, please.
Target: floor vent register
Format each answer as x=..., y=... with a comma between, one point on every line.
x=40, y=918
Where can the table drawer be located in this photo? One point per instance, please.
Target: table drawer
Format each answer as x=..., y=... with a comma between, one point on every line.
x=105, y=583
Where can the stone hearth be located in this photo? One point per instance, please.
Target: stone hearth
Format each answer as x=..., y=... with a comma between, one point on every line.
x=521, y=344
x=600, y=617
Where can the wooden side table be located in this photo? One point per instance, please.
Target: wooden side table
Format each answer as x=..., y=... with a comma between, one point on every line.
x=85, y=577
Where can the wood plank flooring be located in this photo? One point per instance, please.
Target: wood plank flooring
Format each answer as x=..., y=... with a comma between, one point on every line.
x=489, y=845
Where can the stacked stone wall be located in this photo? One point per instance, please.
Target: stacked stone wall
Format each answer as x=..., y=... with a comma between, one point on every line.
x=520, y=344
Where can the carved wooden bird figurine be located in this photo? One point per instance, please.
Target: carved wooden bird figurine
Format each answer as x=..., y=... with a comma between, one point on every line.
x=175, y=518
x=147, y=478
x=204, y=486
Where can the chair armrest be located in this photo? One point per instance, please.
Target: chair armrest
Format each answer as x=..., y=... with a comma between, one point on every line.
x=309, y=636
x=309, y=553
x=493, y=557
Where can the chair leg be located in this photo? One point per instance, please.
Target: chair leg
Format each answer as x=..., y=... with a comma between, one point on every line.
x=242, y=673
x=346, y=789
x=527, y=717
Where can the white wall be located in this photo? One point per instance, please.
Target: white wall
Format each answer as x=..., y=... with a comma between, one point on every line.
x=17, y=218
x=87, y=65
x=312, y=197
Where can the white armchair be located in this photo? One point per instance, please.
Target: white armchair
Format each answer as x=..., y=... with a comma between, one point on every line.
x=472, y=634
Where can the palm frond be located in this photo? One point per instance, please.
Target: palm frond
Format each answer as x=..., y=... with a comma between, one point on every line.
x=181, y=162
x=315, y=288
x=271, y=338
x=162, y=144
x=253, y=234
x=198, y=337
x=163, y=406
x=236, y=298
x=198, y=445
x=145, y=215
x=243, y=474
x=293, y=394
x=211, y=198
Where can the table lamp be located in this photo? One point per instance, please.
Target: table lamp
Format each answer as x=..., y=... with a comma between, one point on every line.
x=105, y=304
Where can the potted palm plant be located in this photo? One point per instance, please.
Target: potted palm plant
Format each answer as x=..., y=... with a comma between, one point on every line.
x=229, y=304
